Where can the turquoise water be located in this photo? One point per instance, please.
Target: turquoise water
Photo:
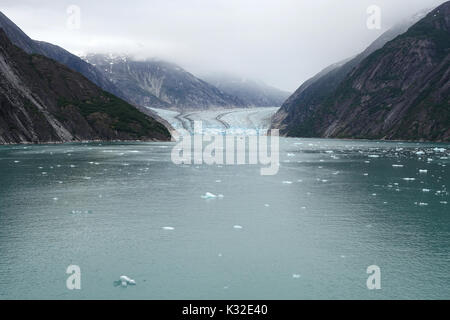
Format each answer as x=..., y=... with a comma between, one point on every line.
x=309, y=232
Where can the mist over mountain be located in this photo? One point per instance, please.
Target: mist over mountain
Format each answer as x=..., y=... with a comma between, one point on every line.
x=42, y=100
x=157, y=83
x=398, y=88
x=251, y=92
x=20, y=39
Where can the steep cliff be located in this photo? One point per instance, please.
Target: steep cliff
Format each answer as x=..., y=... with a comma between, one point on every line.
x=156, y=83
x=20, y=39
x=396, y=89
x=42, y=100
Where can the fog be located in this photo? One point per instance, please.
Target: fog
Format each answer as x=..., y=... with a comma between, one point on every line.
x=280, y=42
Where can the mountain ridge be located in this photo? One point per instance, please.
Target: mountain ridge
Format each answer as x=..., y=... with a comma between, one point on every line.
x=43, y=101
x=394, y=92
x=158, y=83
x=23, y=41
x=253, y=93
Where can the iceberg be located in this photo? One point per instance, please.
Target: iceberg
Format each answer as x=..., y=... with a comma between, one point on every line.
x=125, y=281
x=209, y=195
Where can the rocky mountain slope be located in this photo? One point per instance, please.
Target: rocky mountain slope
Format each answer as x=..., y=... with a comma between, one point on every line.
x=320, y=107
x=42, y=100
x=252, y=93
x=156, y=83
x=20, y=39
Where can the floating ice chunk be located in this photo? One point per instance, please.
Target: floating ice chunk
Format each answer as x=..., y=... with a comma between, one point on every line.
x=373, y=156
x=419, y=153
x=16, y=161
x=44, y=173
x=237, y=227
x=287, y=182
x=72, y=166
x=439, y=149
x=126, y=281
x=329, y=151
x=55, y=199
x=429, y=159
x=291, y=155
x=218, y=181
x=324, y=180
x=168, y=228
x=397, y=165
x=443, y=202
x=374, y=194
x=423, y=171
x=221, y=196
x=209, y=195
x=266, y=205
x=409, y=179
x=296, y=276
x=423, y=204
x=367, y=161
x=425, y=190
x=366, y=174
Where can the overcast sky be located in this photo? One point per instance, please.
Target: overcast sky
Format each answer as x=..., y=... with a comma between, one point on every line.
x=280, y=42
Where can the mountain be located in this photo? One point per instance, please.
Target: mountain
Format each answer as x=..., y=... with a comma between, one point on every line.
x=252, y=93
x=42, y=100
x=304, y=113
x=20, y=39
x=156, y=83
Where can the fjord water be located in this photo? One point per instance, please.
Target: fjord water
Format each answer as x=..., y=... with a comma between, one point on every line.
x=310, y=232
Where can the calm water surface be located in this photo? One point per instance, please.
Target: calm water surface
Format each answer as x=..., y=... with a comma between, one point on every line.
x=309, y=232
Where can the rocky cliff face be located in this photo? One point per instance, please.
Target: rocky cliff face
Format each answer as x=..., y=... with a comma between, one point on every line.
x=20, y=39
x=252, y=93
x=155, y=83
x=393, y=90
x=44, y=101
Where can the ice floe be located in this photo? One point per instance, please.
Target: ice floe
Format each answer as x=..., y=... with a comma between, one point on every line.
x=209, y=195
x=125, y=281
